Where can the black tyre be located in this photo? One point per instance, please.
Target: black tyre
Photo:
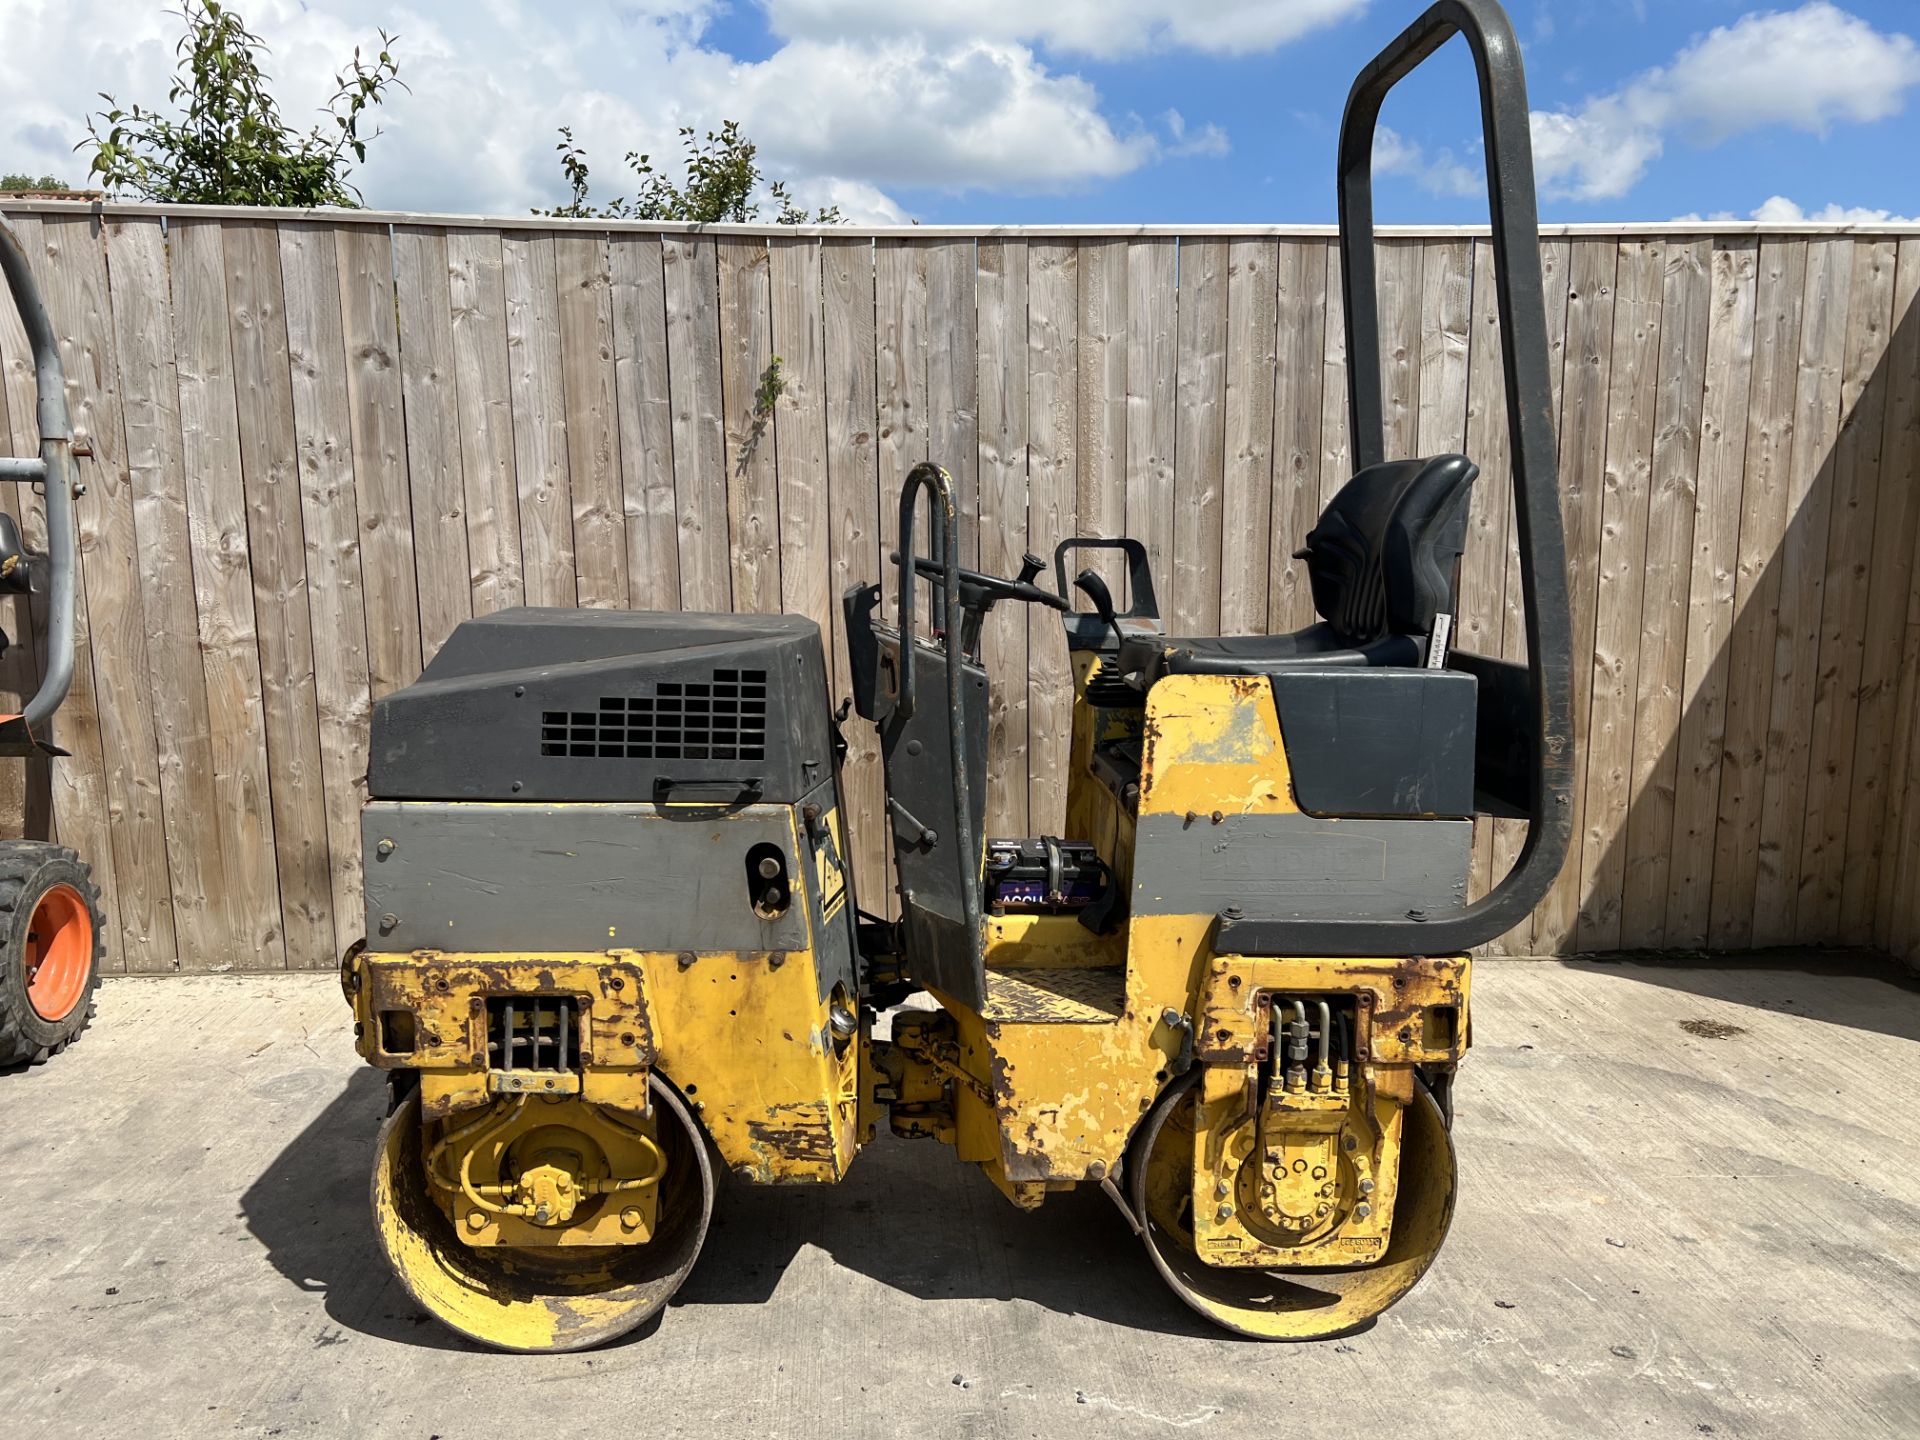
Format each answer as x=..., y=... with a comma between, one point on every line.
x=51, y=926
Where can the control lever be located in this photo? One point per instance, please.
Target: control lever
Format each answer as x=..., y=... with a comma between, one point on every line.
x=1095, y=589
x=1030, y=567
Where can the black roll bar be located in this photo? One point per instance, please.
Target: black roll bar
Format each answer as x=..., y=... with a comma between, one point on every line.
x=1536, y=480
x=945, y=527
x=54, y=469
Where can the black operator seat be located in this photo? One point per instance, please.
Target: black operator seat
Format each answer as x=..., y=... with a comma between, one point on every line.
x=1381, y=561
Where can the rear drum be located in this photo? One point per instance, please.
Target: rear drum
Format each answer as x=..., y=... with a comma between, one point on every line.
x=545, y=1299
x=1289, y=1304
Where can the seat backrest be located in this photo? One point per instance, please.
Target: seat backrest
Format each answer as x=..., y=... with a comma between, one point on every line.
x=1382, y=557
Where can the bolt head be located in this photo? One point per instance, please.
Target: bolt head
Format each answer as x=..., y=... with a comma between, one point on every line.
x=476, y=1221
x=630, y=1218
x=1225, y=1212
x=1363, y=1210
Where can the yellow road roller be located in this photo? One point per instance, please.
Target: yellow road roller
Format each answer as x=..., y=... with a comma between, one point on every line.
x=614, y=947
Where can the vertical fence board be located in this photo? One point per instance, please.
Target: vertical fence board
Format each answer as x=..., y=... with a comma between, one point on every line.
x=1445, y=334
x=109, y=572
x=174, y=683
x=1802, y=563
x=1101, y=483
x=1002, y=291
x=477, y=290
x=699, y=434
x=1300, y=312
x=1483, y=569
x=1619, y=586
x=800, y=427
x=1844, y=601
x=1246, y=484
x=1671, y=504
x=1880, y=763
x=438, y=488
x=1728, y=377
x=1052, y=494
x=229, y=642
x=1583, y=448
x=316, y=351
x=1400, y=271
x=854, y=544
x=900, y=350
x=369, y=317
x=1336, y=445
x=953, y=378
x=1152, y=360
x=264, y=389
x=585, y=279
x=539, y=419
x=1509, y=835
x=746, y=382
x=1199, y=436
x=645, y=421
x=1763, y=524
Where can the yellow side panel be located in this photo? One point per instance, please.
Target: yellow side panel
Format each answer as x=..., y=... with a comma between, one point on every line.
x=1213, y=743
x=746, y=1040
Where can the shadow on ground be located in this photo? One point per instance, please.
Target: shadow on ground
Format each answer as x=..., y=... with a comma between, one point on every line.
x=1860, y=989
x=909, y=1216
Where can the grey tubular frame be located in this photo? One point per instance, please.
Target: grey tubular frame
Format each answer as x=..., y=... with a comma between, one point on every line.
x=1536, y=481
x=55, y=469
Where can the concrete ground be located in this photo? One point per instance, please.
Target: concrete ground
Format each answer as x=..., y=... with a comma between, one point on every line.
x=1689, y=1205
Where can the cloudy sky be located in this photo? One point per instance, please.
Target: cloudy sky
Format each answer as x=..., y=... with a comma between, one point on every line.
x=1054, y=110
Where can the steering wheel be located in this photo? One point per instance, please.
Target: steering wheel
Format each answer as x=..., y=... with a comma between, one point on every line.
x=981, y=592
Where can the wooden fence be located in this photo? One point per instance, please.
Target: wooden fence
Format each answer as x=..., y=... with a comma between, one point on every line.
x=321, y=441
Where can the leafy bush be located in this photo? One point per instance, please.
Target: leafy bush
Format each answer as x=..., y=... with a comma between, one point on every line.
x=228, y=145
x=722, y=175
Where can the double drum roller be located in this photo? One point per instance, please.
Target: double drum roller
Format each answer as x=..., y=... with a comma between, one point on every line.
x=614, y=944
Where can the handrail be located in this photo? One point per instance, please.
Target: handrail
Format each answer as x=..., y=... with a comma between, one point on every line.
x=946, y=540
x=1536, y=482
x=56, y=460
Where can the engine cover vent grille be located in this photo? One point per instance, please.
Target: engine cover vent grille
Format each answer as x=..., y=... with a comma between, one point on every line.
x=533, y=1032
x=721, y=719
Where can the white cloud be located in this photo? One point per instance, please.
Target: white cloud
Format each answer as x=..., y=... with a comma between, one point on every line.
x=981, y=114
x=858, y=202
x=1441, y=173
x=1103, y=29
x=1807, y=69
x=1210, y=139
x=839, y=120
x=1782, y=211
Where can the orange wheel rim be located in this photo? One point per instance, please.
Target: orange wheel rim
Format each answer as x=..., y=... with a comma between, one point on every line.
x=59, y=952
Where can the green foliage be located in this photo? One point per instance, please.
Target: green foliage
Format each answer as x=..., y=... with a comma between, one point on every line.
x=20, y=180
x=722, y=173
x=773, y=383
x=228, y=144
